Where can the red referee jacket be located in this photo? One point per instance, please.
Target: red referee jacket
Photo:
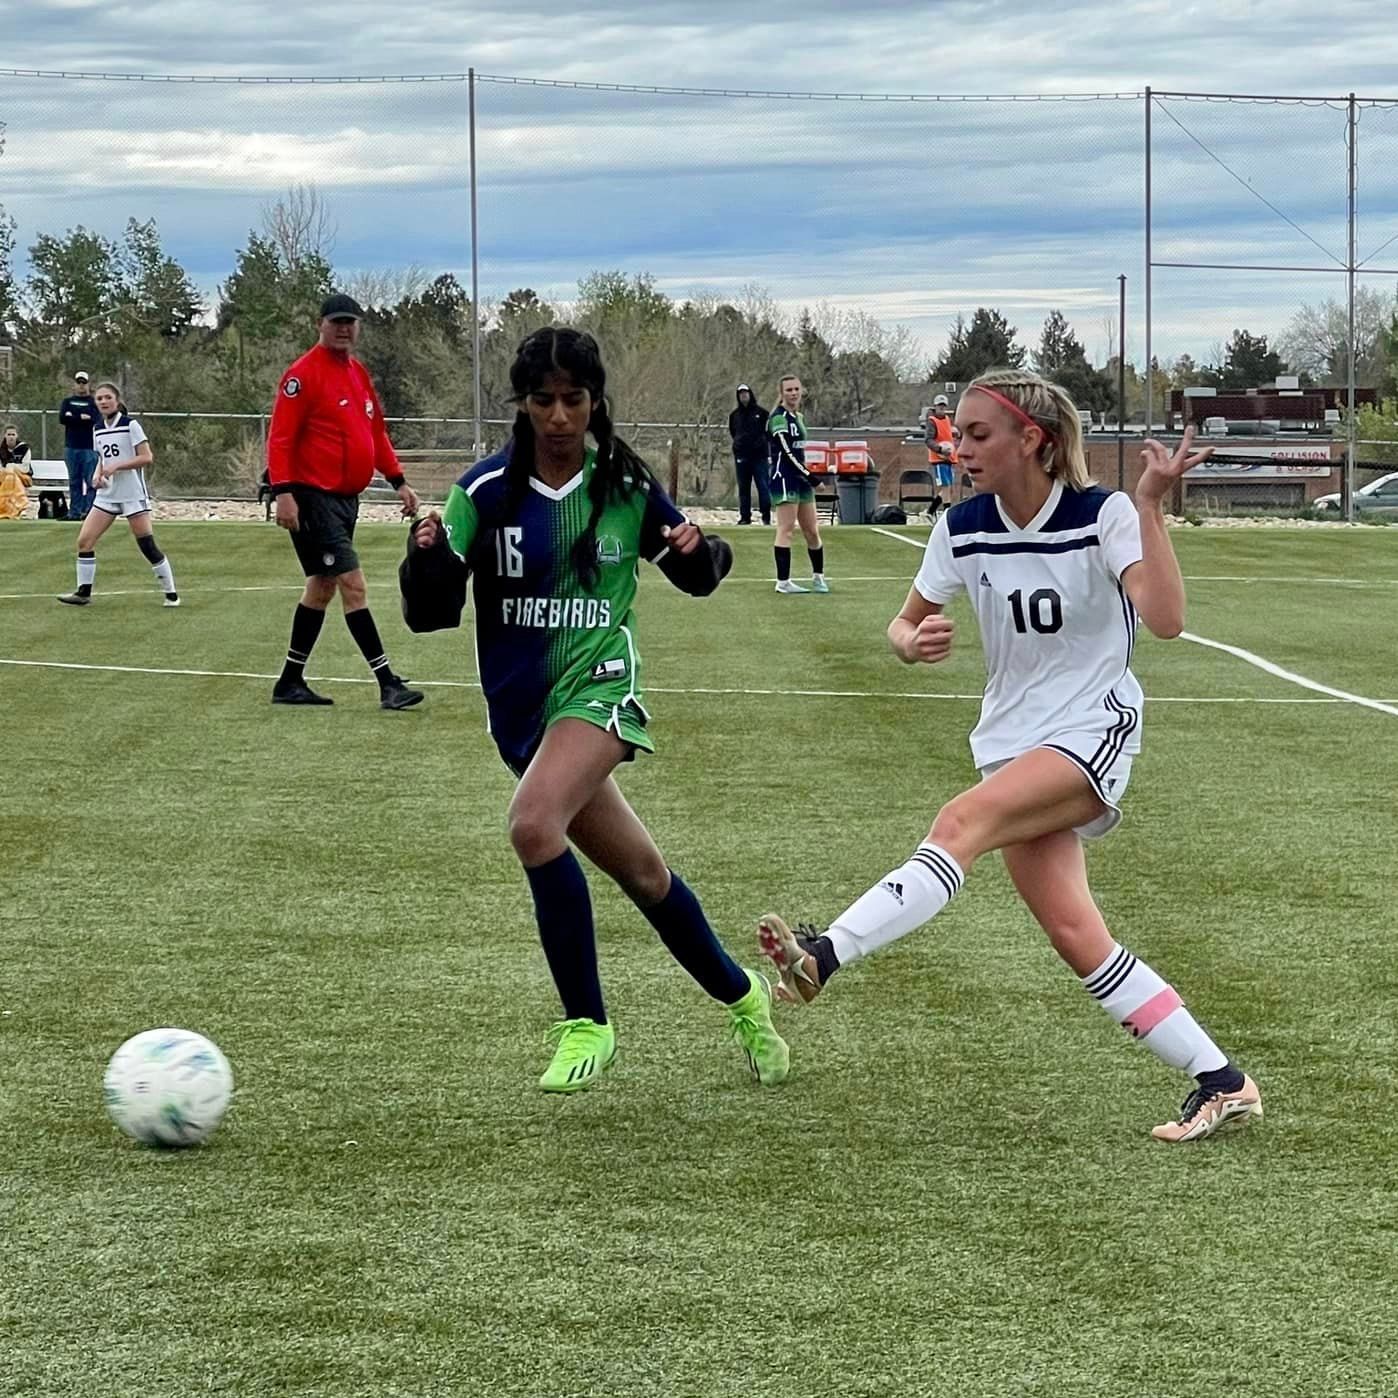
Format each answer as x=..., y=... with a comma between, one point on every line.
x=327, y=427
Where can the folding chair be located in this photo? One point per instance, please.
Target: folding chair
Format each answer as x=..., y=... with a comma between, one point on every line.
x=915, y=476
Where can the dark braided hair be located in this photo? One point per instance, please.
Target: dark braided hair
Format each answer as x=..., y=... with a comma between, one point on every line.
x=559, y=349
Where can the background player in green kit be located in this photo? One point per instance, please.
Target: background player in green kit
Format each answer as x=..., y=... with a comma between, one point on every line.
x=793, y=494
x=551, y=531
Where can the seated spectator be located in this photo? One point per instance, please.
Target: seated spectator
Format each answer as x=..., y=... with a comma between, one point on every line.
x=15, y=475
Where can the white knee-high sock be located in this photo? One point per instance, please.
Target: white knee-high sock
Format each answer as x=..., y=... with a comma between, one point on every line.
x=897, y=904
x=87, y=570
x=164, y=574
x=1150, y=1010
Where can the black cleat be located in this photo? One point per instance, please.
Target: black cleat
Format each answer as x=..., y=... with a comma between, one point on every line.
x=297, y=693
x=394, y=694
x=75, y=599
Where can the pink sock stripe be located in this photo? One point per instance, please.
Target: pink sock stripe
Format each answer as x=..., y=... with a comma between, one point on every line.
x=1145, y=1017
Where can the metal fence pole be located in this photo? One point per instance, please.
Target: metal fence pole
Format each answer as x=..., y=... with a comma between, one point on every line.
x=475, y=278
x=1347, y=490
x=1121, y=391
x=1150, y=388
x=44, y=434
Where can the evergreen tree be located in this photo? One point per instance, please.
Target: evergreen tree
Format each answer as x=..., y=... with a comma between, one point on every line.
x=1248, y=362
x=73, y=281
x=156, y=287
x=1061, y=357
x=987, y=343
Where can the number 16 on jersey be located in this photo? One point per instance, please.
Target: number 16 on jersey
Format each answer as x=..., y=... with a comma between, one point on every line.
x=509, y=561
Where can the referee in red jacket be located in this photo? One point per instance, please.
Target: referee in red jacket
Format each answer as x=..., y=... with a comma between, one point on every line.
x=326, y=440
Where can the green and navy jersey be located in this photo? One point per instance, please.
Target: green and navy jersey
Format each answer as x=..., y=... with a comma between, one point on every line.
x=544, y=639
x=786, y=433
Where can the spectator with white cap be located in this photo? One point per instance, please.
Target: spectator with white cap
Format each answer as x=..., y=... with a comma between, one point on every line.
x=941, y=450
x=747, y=426
x=78, y=414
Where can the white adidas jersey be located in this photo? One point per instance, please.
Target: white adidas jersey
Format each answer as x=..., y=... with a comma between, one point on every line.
x=1055, y=621
x=118, y=442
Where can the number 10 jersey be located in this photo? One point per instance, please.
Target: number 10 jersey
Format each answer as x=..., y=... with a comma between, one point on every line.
x=1056, y=624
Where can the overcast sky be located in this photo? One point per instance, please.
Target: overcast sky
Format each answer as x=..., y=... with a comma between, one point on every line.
x=911, y=211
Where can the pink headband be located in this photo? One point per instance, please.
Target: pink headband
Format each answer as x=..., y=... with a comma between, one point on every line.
x=1014, y=408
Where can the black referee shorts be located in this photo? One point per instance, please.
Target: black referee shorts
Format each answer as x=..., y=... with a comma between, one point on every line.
x=325, y=541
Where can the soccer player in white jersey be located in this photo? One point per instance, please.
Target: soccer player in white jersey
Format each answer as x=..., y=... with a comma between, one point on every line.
x=123, y=453
x=1058, y=571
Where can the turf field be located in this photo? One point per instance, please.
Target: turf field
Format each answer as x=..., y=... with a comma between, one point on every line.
x=956, y=1192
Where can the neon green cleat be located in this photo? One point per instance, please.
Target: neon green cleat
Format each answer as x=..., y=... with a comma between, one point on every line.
x=768, y=1056
x=585, y=1050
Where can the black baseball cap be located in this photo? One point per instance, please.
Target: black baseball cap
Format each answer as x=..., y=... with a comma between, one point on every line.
x=341, y=305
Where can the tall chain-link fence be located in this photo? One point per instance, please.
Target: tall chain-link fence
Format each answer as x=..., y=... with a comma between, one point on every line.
x=709, y=237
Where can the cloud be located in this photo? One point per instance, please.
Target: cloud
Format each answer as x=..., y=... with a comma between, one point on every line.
x=912, y=211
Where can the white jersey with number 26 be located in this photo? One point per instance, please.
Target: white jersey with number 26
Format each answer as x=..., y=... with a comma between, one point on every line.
x=1055, y=621
x=115, y=442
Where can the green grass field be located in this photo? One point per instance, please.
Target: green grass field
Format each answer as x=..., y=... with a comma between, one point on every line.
x=955, y=1193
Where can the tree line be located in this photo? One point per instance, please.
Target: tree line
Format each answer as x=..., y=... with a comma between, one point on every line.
x=126, y=309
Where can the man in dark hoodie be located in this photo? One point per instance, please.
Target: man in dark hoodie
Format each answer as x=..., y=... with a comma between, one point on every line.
x=747, y=425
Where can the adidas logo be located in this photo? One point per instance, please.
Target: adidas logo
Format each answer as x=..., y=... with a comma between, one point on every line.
x=985, y=581
x=581, y=1070
x=896, y=889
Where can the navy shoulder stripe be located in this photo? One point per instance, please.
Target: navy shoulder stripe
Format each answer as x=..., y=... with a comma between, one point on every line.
x=977, y=515
x=1077, y=508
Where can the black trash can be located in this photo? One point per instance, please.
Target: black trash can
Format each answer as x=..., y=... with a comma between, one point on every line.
x=858, y=497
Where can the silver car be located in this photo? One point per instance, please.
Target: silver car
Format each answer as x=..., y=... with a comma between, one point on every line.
x=1377, y=500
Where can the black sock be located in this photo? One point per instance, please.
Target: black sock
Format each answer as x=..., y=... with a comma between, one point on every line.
x=305, y=627
x=783, y=563
x=146, y=543
x=685, y=930
x=366, y=637
x=817, y=557
x=827, y=963
x=1225, y=1079
x=563, y=910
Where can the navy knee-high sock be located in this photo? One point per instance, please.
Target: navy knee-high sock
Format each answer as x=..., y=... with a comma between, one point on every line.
x=685, y=930
x=563, y=909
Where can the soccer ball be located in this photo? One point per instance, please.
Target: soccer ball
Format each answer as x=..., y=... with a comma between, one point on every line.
x=168, y=1087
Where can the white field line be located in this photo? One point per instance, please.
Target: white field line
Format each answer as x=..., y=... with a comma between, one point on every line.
x=1266, y=665
x=650, y=689
x=1375, y=583
x=1340, y=695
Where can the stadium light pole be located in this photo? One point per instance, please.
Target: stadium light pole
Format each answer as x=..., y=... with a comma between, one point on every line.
x=1150, y=387
x=1347, y=489
x=475, y=278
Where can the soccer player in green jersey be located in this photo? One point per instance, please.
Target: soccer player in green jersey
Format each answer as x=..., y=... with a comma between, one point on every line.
x=793, y=493
x=550, y=531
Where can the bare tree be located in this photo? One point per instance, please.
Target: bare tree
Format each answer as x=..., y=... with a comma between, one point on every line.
x=299, y=225
x=380, y=289
x=1315, y=339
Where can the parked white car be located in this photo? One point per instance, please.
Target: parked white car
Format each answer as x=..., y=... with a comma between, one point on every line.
x=1377, y=500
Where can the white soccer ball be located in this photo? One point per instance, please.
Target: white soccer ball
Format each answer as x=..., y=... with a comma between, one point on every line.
x=168, y=1087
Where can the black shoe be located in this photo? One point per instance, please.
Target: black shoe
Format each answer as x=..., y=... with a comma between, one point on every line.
x=76, y=599
x=744, y=521
x=394, y=694
x=297, y=693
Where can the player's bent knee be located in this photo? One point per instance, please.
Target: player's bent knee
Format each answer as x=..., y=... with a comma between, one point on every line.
x=961, y=829
x=536, y=837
